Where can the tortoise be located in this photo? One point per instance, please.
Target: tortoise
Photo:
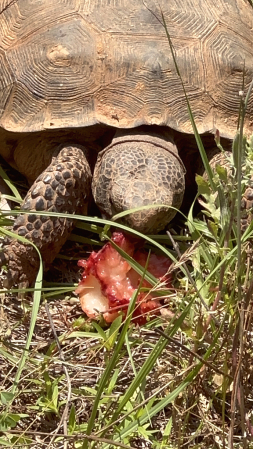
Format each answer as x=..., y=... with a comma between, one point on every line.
x=94, y=83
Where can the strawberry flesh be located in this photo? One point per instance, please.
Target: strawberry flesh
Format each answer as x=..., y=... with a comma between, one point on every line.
x=108, y=281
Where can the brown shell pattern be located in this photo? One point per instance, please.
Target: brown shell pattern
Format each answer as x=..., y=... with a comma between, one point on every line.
x=80, y=62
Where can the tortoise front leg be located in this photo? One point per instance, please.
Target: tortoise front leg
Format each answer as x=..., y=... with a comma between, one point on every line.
x=63, y=187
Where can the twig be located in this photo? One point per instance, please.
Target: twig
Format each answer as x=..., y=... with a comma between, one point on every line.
x=69, y=437
x=237, y=391
x=192, y=353
x=64, y=418
x=236, y=386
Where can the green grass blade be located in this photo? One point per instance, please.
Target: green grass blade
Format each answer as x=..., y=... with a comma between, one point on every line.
x=139, y=209
x=135, y=265
x=129, y=430
x=10, y=184
x=160, y=405
x=194, y=127
x=111, y=365
x=96, y=221
x=35, y=308
x=149, y=363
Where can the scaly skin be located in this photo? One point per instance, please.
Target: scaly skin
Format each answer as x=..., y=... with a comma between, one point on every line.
x=63, y=187
x=139, y=170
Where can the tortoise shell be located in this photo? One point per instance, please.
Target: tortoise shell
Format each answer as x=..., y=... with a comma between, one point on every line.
x=74, y=64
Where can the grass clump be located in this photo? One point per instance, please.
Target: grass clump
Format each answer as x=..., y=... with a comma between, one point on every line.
x=178, y=380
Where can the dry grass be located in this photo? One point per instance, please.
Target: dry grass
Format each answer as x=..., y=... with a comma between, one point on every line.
x=200, y=416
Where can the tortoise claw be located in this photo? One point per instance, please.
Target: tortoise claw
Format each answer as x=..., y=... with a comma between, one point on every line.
x=21, y=261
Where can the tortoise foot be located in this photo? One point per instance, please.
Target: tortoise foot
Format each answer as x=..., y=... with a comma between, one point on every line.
x=139, y=170
x=64, y=187
x=22, y=262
